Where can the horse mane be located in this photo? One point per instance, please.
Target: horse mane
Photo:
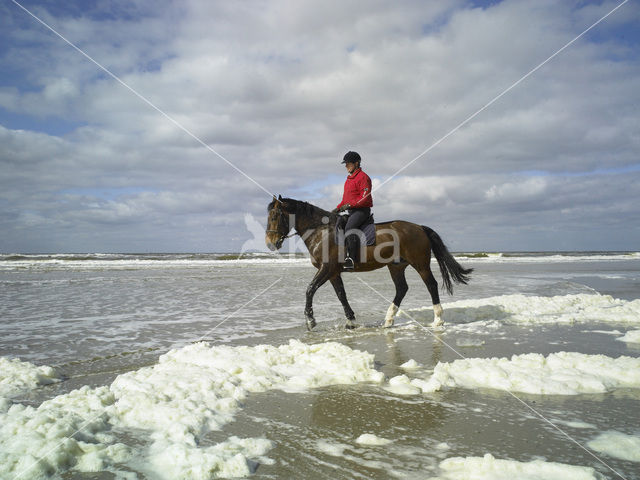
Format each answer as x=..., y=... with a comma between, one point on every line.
x=302, y=208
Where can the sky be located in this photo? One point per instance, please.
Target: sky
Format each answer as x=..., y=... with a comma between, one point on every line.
x=204, y=109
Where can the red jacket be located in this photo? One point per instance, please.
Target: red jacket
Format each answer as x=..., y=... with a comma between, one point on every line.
x=357, y=190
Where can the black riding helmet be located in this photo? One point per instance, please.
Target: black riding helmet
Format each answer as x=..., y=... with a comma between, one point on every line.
x=351, y=157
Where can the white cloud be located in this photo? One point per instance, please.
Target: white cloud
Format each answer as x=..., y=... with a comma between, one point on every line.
x=528, y=188
x=283, y=89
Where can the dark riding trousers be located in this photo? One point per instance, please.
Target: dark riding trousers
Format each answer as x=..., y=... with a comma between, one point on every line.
x=357, y=217
x=354, y=221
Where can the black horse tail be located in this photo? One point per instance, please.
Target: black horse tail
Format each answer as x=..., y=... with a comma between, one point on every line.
x=448, y=265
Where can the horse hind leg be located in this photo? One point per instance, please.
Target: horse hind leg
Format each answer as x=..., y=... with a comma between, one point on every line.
x=432, y=285
x=400, y=282
x=437, y=315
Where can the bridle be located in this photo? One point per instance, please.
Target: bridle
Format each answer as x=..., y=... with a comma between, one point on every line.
x=281, y=220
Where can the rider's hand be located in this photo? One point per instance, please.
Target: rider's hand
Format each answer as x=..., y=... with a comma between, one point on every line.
x=344, y=207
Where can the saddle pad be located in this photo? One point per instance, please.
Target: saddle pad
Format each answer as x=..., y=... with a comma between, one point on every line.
x=369, y=231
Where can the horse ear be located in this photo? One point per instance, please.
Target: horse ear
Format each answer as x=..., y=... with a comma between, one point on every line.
x=280, y=197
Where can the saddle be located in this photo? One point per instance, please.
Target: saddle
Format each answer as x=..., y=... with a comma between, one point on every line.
x=368, y=229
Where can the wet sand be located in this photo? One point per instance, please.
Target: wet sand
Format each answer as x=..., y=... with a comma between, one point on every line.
x=314, y=433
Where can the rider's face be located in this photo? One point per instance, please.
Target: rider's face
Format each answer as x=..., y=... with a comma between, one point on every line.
x=350, y=167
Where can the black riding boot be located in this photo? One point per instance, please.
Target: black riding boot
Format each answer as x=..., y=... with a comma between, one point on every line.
x=351, y=243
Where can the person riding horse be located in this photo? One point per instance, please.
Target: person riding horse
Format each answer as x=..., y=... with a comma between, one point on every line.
x=399, y=244
x=356, y=202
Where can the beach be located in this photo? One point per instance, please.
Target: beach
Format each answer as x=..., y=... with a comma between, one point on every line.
x=200, y=366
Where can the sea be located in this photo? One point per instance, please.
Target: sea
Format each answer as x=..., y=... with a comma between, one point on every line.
x=199, y=366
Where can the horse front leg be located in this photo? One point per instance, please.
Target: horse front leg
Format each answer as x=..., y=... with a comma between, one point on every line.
x=338, y=286
x=319, y=279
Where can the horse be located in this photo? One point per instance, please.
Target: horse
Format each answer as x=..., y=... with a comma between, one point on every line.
x=398, y=244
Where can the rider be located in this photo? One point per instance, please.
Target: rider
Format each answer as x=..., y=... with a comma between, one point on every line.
x=356, y=201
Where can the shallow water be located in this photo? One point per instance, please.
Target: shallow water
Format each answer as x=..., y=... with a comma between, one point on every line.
x=95, y=319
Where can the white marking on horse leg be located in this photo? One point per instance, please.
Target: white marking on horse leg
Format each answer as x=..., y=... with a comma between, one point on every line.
x=437, y=315
x=311, y=323
x=351, y=324
x=391, y=312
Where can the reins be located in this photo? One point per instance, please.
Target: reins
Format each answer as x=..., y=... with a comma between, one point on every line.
x=285, y=236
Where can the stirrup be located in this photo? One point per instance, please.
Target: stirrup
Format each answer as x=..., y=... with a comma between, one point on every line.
x=348, y=264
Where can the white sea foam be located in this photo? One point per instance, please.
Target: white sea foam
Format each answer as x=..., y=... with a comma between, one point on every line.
x=103, y=261
x=632, y=336
x=535, y=309
x=17, y=377
x=573, y=424
x=190, y=392
x=61, y=263
x=563, y=373
x=331, y=448
x=410, y=365
x=371, y=439
x=401, y=385
x=618, y=445
x=358, y=458
x=491, y=468
x=546, y=258
x=604, y=332
x=68, y=430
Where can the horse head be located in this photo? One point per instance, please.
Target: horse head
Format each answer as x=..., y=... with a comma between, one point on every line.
x=277, y=223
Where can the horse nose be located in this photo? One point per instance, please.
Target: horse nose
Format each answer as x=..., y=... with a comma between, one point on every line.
x=271, y=246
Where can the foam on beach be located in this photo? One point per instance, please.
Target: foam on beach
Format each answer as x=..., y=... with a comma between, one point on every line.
x=491, y=468
x=632, y=336
x=410, y=365
x=142, y=261
x=563, y=373
x=169, y=408
x=373, y=440
x=17, y=377
x=108, y=261
x=549, y=257
x=525, y=309
x=617, y=445
x=68, y=430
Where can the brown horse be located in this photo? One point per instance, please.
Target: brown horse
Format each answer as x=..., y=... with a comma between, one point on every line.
x=398, y=245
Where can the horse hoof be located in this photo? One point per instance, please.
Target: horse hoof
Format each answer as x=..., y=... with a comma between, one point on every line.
x=388, y=323
x=438, y=322
x=350, y=325
x=437, y=319
x=311, y=323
